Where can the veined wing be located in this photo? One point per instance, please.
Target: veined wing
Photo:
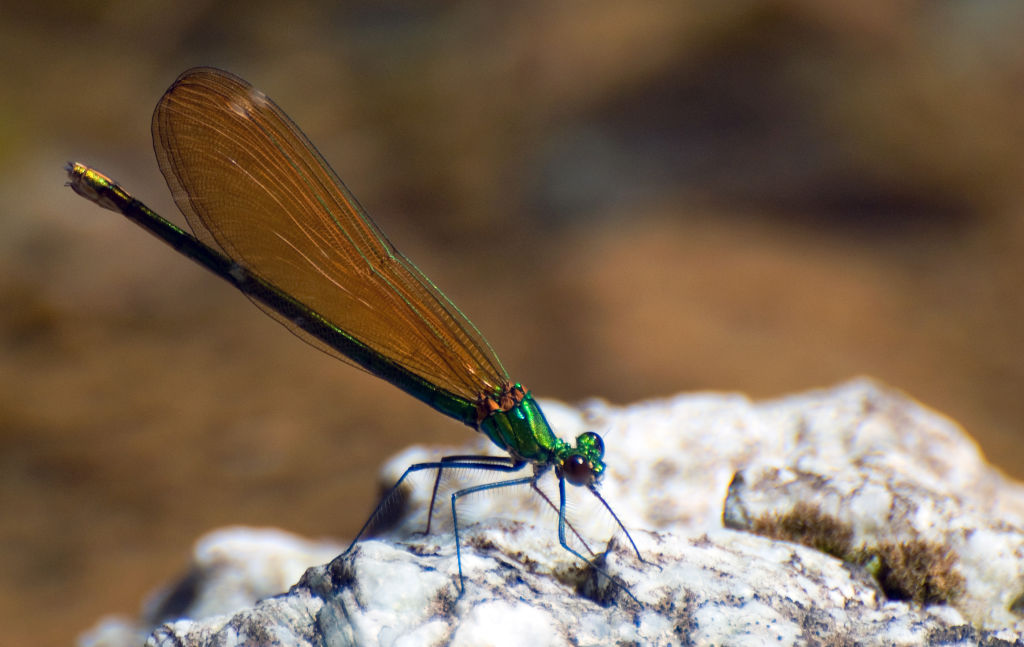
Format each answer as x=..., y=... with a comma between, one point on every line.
x=253, y=186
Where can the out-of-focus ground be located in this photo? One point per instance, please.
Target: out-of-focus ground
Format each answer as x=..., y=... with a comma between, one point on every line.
x=629, y=199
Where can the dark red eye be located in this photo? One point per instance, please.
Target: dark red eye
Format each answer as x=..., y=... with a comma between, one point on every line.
x=577, y=470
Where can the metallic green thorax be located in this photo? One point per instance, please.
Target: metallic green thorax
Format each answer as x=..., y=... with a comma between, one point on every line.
x=514, y=422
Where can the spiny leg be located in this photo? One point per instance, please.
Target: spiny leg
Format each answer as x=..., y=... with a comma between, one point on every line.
x=562, y=523
x=593, y=490
x=455, y=517
x=469, y=462
x=554, y=507
x=495, y=463
x=565, y=545
x=386, y=500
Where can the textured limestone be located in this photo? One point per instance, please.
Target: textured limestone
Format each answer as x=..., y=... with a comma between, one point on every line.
x=844, y=516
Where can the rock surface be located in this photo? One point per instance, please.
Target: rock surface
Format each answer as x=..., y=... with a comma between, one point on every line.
x=845, y=516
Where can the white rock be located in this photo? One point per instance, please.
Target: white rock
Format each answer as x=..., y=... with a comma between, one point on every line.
x=232, y=568
x=868, y=463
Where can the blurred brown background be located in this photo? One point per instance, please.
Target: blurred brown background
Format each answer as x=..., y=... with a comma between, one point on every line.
x=631, y=200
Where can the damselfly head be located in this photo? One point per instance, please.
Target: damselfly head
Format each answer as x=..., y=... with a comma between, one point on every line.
x=584, y=464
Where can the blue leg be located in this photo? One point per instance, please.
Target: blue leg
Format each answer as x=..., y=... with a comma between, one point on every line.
x=562, y=523
x=496, y=464
x=492, y=463
x=565, y=545
x=470, y=490
x=593, y=490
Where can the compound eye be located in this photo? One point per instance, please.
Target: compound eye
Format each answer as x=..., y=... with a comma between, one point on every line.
x=592, y=440
x=577, y=470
